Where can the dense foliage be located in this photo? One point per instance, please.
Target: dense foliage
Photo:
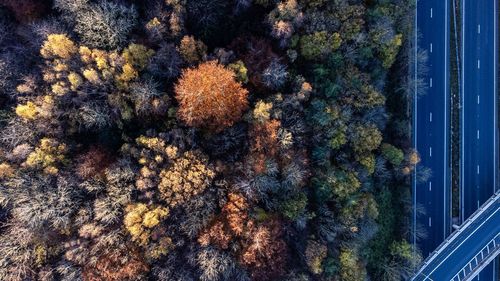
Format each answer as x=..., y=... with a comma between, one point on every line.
x=204, y=140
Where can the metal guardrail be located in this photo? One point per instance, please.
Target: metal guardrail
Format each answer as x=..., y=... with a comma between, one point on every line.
x=452, y=237
x=474, y=266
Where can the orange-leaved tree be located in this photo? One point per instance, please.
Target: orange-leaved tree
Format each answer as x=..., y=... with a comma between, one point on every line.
x=210, y=97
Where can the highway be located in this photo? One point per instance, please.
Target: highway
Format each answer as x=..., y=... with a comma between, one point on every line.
x=479, y=145
x=431, y=125
x=467, y=248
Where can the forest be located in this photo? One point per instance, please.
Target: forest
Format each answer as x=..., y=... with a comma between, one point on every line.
x=208, y=140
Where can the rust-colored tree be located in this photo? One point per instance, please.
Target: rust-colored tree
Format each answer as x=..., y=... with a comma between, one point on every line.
x=261, y=247
x=265, y=252
x=93, y=162
x=117, y=265
x=232, y=223
x=210, y=97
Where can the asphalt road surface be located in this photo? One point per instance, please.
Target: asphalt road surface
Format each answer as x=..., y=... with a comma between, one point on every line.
x=432, y=125
x=478, y=159
x=464, y=247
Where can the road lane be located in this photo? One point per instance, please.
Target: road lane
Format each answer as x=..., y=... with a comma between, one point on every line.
x=478, y=161
x=432, y=125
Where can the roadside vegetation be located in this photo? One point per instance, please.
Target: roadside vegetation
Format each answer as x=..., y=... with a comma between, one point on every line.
x=205, y=140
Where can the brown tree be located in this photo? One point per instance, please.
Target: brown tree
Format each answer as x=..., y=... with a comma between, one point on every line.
x=93, y=162
x=210, y=97
x=232, y=223
x=116, y=265
x=265, y=252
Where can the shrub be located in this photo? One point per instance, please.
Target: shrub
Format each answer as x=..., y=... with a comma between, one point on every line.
x=343, y=183
x=47, y=156
x=192, y=50
x=365, y=138
x=27, y=111
x=266, y=253
x=285, y=19
x=188, y=176
x=166, y=63
x=147, y=99
x=17, y=253
x=108, y=207
x=319, y=44
x=105, y=24
x=209, y=97
x=141, y=219
x=315, y=255
x=275, y=75
x=119, y=264
x=92, y=162
x=44, y=202
x=295, y=206
x=70, y=5
x=393, y=154
x=265, y=138
x=214, y=265
x=351, y=269
x=232, y=223
x=137, y=55
x=261, y=112
x=240, y=70
x=198, y=212
x=58, y=46
x=16, y=132
x=6, y=76
x=6, y=171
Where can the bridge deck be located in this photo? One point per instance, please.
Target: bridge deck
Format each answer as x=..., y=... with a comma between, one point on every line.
x=467, y=250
